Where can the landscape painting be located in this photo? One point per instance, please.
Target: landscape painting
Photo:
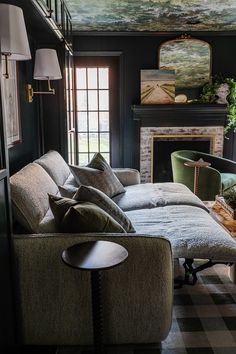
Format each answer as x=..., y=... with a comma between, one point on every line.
x=152, y=15
x=157, y=86
x=11, y=105
x=191, y=60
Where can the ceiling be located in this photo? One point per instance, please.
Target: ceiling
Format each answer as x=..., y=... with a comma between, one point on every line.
x=152, y=15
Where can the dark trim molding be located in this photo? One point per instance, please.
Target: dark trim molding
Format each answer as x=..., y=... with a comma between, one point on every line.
x=97, y=54
x=155, y=34
x=166, y=115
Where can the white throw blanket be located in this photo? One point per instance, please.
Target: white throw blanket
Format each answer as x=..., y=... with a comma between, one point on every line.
x=193, y=233
x=152, y=195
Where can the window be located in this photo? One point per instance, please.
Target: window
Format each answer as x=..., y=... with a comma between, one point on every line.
x=71, y=148
x=92, y=112
x=93, y=108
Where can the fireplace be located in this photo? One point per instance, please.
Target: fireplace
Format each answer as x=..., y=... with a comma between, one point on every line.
x=164, y=145
x=206, y=139
x=171, y=127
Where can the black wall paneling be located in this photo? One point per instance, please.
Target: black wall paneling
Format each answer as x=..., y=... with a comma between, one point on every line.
x=141, y=52
x=7, y=318
x=42, y=120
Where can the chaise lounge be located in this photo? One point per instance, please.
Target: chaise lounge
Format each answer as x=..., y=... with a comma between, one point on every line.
x=54, y=301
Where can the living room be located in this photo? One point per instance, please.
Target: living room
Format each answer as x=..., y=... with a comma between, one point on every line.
x=115, y=43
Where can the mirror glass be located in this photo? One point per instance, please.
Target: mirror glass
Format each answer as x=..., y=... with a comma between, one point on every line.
x=191, y=60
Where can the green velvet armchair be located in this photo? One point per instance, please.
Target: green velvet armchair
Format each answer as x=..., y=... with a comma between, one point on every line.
x=213, y=180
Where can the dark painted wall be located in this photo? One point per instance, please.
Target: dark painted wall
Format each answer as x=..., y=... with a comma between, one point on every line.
x=26, y=151
x=141, y=52
x=35, y=117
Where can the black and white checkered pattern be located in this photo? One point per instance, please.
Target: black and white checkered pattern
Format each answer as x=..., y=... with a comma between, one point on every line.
x=204, y=319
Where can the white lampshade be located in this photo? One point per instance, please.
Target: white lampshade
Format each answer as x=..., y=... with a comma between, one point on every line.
x=13, y=36
x=46, y=65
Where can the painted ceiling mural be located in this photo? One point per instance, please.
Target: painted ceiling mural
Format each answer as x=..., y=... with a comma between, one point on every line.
x=153, y=15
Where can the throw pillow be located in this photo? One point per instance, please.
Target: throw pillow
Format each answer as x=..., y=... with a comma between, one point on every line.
x=93, y=195
x=77, y=217
x=60, y=206
x=88, y=217
x=98, y=174
x=67, y=191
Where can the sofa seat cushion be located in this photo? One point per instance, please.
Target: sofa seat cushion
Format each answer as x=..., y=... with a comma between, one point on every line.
x=193, y=233
x=98, y=174
x=55, y=166
x=151, y=195
x=228, y=180
x=29, y=192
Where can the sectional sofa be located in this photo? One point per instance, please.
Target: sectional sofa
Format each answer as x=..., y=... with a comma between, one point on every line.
x=54, y=301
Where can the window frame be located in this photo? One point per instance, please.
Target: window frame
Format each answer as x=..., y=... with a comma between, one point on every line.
x=113, y=60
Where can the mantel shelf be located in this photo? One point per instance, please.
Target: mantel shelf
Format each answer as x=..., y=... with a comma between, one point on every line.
x=180, y=114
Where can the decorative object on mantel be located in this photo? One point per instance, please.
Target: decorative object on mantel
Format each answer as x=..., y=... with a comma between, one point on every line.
x=216, y=92
x=181, y=98
x=191, y=60
x=157, y=86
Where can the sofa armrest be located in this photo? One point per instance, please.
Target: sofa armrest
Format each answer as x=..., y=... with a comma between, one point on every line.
x=127, y=176
x=54, y=305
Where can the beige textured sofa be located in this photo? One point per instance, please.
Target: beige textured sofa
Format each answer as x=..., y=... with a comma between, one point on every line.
x=54, y=301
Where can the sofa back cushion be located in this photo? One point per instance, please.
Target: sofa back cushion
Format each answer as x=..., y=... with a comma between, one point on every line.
x=29, y=192
x=55, y=166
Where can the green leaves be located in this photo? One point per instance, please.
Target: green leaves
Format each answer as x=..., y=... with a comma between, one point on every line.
x=209, y=95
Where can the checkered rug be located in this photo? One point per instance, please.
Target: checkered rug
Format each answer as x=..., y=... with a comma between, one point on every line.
x=204, y=319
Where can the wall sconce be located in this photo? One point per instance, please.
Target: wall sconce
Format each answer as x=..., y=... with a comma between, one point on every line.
x=13, y=36
x=46, y=67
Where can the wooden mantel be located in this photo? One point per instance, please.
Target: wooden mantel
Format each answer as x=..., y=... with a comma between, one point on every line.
x=186, y=114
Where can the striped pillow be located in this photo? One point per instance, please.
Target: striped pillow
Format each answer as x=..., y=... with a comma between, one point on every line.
x=93, y=195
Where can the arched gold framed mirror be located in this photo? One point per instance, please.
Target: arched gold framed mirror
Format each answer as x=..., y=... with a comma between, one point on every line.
x=191, y=60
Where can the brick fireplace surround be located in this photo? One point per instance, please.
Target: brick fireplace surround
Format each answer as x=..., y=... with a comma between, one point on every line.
x=146, y=143
x=176, y=120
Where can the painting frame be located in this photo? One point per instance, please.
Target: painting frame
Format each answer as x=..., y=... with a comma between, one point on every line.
x=11, y=109
x=157, y=86
x=191, y=58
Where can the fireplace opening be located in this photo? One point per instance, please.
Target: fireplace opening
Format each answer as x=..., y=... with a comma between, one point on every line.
x=163, y=146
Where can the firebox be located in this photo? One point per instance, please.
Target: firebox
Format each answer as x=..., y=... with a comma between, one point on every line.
x=164, y=145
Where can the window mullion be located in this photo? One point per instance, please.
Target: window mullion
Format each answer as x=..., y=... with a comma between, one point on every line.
x=87, y=91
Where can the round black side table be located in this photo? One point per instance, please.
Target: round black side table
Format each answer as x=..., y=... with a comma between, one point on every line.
x=95, y=256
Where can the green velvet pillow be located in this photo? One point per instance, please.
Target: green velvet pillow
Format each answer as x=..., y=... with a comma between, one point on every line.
x=76, y=217
x=59, y=206
x=98, y=174
x=95, y=196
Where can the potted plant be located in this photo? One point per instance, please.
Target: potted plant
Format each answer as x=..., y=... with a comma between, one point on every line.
x=230, y=198
x=222, y=91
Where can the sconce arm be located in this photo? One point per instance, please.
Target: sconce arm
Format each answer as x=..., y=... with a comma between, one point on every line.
x=30, y=92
